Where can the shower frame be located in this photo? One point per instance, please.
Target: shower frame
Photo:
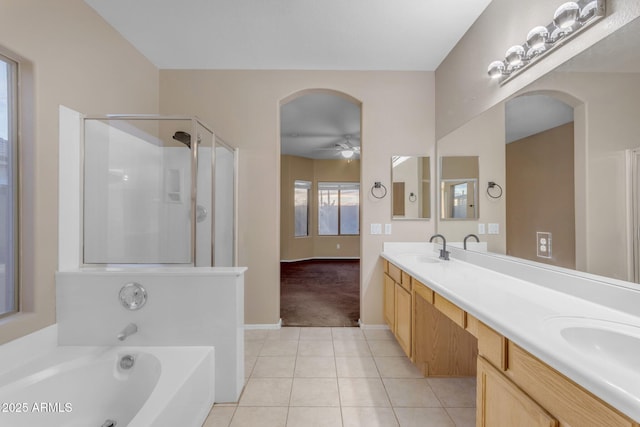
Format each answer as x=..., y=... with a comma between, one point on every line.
x=195, y=142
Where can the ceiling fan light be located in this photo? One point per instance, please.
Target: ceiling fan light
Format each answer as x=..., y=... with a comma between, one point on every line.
x=347, y=154
x=566, y=15
x=496, y=69
x=514, y=55
x=537, y=38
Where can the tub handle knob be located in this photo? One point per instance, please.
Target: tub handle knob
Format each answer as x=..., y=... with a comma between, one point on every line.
x=133, y=296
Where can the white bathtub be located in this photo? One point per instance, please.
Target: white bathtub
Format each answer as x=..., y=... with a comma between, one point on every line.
x=85, y=387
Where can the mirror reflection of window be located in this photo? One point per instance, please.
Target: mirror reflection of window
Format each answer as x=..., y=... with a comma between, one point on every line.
x=459, y=187
x=459, y=208
x=410, y=190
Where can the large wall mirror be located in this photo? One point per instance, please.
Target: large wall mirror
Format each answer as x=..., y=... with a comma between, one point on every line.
x=411, y=187
x=459, y=187
x=588, y=187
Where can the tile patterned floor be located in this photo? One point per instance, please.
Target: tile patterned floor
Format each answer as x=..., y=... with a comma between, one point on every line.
x=345, y=377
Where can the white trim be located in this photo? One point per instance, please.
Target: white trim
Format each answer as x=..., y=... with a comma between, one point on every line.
x=264, y=325
x=320, y=257
x=370, y=327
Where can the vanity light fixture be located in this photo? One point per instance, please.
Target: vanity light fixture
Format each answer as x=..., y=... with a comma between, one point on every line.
x=569, y=20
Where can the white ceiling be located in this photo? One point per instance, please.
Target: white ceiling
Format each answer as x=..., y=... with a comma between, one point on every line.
x=292, y=34
x=318, y=125
x=531, y=114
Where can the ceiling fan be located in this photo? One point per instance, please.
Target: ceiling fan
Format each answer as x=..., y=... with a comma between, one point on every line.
x=345, y=148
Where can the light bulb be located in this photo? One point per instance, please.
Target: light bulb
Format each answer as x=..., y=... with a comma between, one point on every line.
x=347, y=154
x=537, y=37
x=515, y=55
x=566, y=15
x=496, y=69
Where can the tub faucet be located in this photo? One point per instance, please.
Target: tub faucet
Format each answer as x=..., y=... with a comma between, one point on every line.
x=130, y=329
x=464, y=242
x=444, y=254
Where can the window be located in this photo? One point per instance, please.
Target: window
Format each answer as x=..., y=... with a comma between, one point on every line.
x=301, y=206
x=338, y=208
x=8, y=186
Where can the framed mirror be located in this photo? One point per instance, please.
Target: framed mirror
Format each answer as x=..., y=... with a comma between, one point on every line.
x=459, y=188
x=411, y=187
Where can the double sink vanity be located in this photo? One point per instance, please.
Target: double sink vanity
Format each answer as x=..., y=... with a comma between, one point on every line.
x=549, y=346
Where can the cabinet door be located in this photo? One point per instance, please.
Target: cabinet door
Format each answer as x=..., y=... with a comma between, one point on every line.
x=500, y=403
x=389, y=301
x=403, y=319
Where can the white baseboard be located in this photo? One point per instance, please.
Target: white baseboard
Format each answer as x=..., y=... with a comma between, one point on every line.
x=320, y=257
x=264, y=325
x=363, y=326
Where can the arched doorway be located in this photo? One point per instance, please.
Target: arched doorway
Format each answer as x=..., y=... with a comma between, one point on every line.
x=320, y=142
x=541, y=179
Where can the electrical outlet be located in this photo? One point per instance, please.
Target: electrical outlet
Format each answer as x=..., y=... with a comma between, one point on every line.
x=482, y=229
x=543, y=244
x=387, y=229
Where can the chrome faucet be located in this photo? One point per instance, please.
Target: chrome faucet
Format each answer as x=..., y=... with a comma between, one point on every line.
x=130, y=329
x=464, y=242
x=444, y=254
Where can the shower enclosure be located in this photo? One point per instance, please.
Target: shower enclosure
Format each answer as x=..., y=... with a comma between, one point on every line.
x=157, y=190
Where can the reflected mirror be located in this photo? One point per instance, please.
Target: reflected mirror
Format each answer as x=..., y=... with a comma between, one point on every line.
x=410, y=191
x=601, y=88
x=459, y=187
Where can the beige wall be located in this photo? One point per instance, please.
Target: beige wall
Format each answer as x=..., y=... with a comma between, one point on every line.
x=483, y=136
x=540, y=178
x=78, y=61
x=465, y=90
x=243, y=107
x=313, y=246
x=606, y=126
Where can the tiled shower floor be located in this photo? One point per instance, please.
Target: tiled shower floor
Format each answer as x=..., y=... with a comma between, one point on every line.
x=340, y=377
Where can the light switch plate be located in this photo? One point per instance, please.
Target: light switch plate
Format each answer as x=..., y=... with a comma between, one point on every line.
x=376, y=228
x=387, y=229
x=494, y=228
x=482, y=229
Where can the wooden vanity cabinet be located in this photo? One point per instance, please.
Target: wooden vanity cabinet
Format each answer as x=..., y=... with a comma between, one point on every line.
x=434, y=340
x=500, y=403
x=397, y=305
x=403, y=319
x=389, y=301
x=508, y=373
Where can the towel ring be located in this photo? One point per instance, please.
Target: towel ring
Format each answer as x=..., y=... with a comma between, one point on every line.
x=493, y=185
x=378, y=185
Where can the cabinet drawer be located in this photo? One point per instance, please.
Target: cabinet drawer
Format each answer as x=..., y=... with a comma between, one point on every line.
x=406, y=281
x=422, y=290
x=570, y=403
x=472, y=325
x=450, y=310
x=492, y=346
x=395, y=273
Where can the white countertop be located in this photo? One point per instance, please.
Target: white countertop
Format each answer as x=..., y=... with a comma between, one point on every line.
x=534, y=315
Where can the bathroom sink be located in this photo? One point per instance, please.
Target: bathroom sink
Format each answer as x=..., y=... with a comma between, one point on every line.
x=602, y=339
x=428, y=259
x=423, y=258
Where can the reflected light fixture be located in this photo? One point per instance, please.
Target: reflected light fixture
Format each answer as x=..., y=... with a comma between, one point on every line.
x=347, y=154
x=568, y=20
